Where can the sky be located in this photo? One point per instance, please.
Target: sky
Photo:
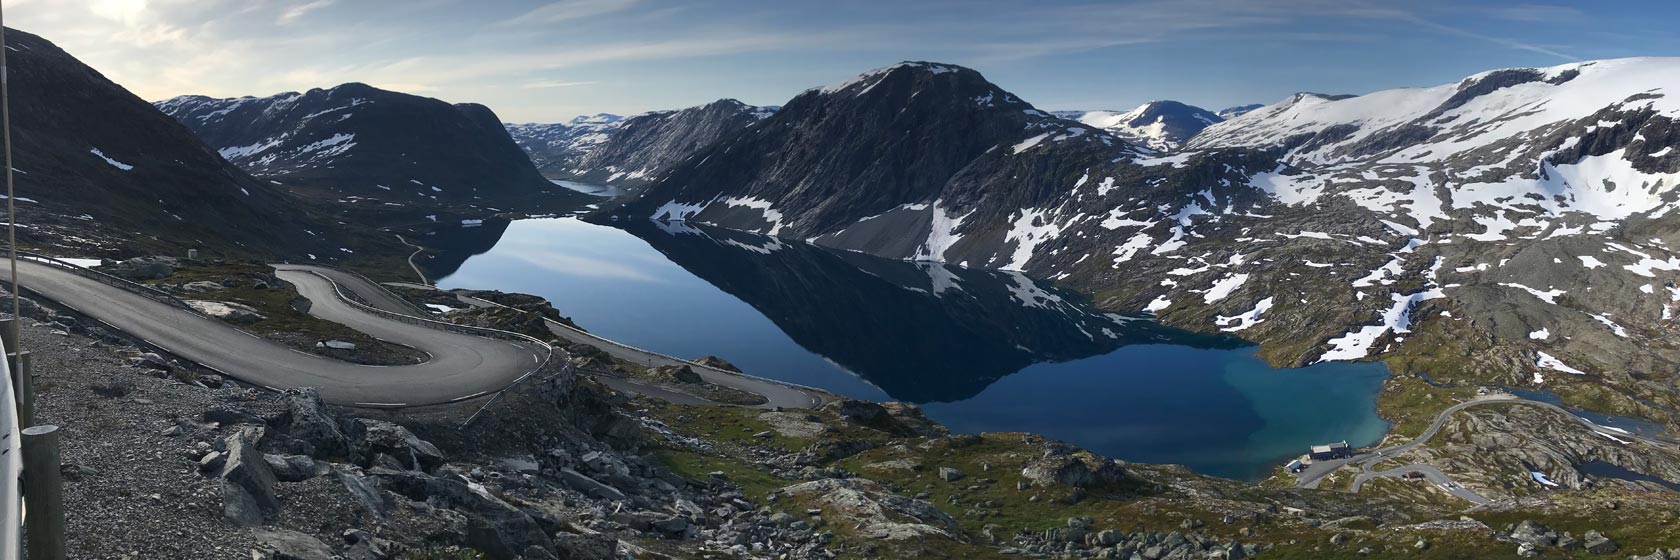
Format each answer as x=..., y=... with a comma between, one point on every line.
x=551, y=60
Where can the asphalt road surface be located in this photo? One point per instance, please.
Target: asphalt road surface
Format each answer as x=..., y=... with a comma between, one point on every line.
x=462, y=366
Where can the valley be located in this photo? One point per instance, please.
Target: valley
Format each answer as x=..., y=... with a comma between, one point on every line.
x=905, y=314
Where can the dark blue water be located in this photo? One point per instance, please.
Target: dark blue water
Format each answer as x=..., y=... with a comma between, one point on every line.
x=979, y=350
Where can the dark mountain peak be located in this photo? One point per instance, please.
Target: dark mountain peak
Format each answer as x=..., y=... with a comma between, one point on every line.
x=376, y=143
x=101, y=167
x=1229, y=113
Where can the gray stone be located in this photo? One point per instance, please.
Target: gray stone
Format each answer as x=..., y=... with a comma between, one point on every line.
x=1533, y=533
x=577, y=481
x=282, y=544
x=245, y=471
x=307, y=420
x=949, y=474
x=1109, y=537
x=1527, y=550
x=1597, y=543
x=386, y=437
x=293, y=468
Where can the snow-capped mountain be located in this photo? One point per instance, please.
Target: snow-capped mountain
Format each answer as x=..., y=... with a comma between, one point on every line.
x=890, y=162
x=99, y=171
x=633, y=150
x=361, y=140
x=1516, y=217
x=556, y=148
x=1159, y=125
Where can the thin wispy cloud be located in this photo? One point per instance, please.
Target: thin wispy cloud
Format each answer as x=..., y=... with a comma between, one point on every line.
x=568, y=10
x=293, y=13
x=534, y=60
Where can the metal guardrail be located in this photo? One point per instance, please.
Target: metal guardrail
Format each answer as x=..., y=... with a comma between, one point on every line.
x=378, y=286
x=109, y=279
x=484, y=332
x=461, y=329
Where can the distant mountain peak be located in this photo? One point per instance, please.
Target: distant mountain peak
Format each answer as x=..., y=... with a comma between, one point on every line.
x=1160, y=125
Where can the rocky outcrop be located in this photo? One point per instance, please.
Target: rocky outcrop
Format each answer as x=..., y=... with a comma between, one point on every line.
x=876, y=511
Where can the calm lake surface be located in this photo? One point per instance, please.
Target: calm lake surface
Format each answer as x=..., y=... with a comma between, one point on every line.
x=979, y=350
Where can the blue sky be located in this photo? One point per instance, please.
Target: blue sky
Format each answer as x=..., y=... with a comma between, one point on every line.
x=548, y=60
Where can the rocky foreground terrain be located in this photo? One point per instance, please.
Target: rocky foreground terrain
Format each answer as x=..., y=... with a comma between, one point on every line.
x=164, y=461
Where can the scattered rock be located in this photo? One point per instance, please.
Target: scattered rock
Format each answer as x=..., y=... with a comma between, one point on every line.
x=949, y=474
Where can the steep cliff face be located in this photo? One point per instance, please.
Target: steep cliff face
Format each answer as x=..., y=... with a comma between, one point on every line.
x=556, y=148
x=355, y=139
x=98, y=169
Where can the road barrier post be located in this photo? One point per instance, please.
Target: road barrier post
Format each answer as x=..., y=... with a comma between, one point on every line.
x=23, y=385
x=43, y=493
x=9, y=333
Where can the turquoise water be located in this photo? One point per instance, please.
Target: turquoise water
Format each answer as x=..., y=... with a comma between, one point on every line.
x=979, y=350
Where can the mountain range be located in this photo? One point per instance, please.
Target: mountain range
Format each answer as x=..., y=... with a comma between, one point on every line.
x=1512, y=227
x=631, y=151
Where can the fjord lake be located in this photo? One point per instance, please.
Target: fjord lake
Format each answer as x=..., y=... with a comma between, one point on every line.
x=978, y=350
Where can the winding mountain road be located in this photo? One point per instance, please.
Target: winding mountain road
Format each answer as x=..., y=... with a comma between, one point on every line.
x=462, y=366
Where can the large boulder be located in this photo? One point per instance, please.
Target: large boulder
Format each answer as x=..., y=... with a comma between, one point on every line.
x=237, y=313
x=294, y=468
x=1534, y=533
x=142, y=268
x=379, y=436
x=1597, y=543
x=247, y=483
x=307, y=421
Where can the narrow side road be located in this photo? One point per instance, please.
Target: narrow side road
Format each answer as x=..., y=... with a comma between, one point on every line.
x=1319, y=469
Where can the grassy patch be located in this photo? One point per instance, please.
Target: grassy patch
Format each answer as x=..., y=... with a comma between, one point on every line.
x=753, y=482
x=1411, y=404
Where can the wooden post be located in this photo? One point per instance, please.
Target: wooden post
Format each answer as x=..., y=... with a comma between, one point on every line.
x=43, y=493
x=23, y=385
